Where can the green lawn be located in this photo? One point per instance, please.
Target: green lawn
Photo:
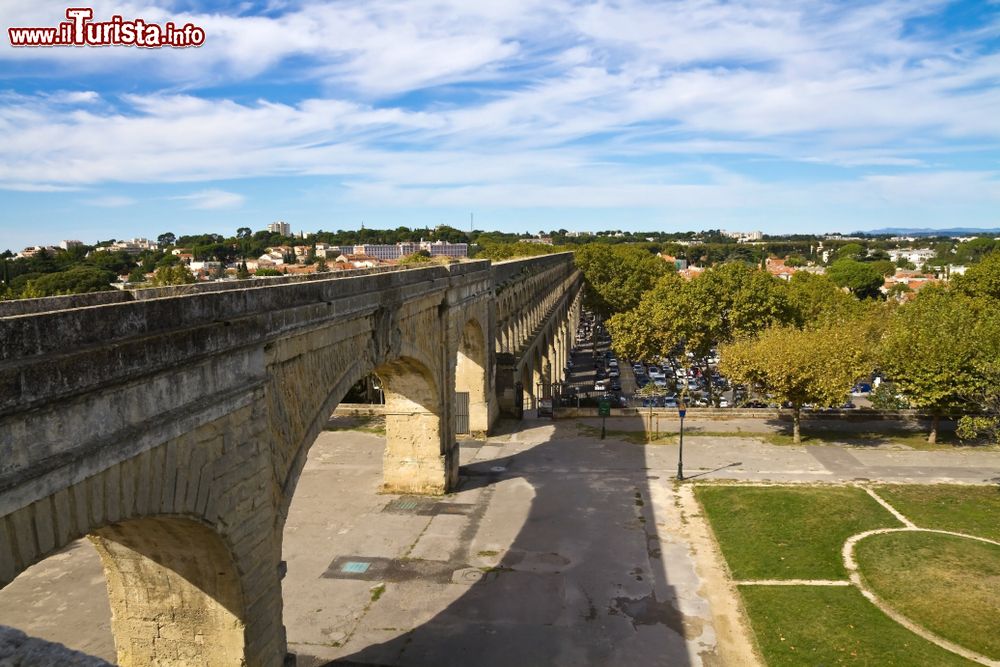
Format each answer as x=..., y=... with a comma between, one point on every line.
x=963, y=509
x=949, y=585
x=788, y=532
x=815, y=625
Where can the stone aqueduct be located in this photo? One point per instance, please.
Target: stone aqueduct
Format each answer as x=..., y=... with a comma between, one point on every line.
x=171, y=427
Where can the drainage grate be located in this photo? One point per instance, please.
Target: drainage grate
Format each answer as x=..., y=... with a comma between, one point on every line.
x=408, y=505
x=425, y=507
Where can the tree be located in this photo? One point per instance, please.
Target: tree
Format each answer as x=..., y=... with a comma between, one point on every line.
x=885, y=397
x=798, y=366
x=244, y=233
x=263, y=273
x=854, y=251
x=678, y=316
x=242, y=272
x=983, y=279
x=861, y=278
x=617, y=275
x=975, y=250
x=137, y=275
x=321, y=266
x=177, y=274
x=165, y=239
x=815, y=298
x=419, y=257
x=76, y=280
x=935, y=349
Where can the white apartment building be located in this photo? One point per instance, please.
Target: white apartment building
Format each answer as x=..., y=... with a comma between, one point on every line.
x=280, y=227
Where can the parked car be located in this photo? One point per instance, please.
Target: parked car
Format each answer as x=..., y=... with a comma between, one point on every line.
x=600, y=386
x=615, y=385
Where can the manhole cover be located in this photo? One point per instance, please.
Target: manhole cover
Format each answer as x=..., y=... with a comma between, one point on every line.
x=498, y=469
x=468, y=576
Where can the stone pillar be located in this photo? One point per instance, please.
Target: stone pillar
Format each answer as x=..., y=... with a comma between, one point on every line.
x=420, y=456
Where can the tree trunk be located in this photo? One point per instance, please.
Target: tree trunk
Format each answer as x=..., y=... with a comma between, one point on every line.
x=707, y=377
x=796, y=435
x=932, y=436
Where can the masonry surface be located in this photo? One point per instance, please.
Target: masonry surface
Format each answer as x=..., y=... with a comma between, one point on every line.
x=172, y=429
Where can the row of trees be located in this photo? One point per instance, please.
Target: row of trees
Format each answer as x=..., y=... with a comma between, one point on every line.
x=807, y=341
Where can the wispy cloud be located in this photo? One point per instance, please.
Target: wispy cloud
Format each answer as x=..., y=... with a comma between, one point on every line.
x=593, y=103
x=110, y=201
x=213, y=199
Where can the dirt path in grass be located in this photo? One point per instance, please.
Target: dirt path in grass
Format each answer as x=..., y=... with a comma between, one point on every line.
x=735, y=645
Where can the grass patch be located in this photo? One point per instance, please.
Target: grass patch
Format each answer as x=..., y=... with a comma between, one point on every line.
x=964, y=509
x=812, y=436
x=788, y=532
x=635, y=437
x=377, y=592
x=374, y=425
x=947, y=584
x=817, y=625
x=489, y=553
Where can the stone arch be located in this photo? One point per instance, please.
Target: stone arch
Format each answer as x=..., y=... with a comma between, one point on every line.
x=537, y=376
x=470, y=374
x=175, y=593
x=418, y=436
x=527, y=385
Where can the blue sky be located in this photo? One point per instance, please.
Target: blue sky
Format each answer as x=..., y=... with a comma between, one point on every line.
x=780, y=115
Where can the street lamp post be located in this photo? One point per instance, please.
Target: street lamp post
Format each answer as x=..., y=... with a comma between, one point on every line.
x=681, y=411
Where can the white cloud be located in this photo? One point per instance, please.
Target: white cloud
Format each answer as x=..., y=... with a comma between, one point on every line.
x=110, y=201
x=213, y=199
x=569, y=102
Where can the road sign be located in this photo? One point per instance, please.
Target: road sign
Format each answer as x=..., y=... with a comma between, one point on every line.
x=604, y=408
x=682, y=412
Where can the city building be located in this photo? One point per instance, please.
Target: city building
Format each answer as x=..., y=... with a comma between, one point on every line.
x=916, y=256
x=33, y=250
x=778, y=269
x=280, y=227
x=744, y=237
x=132, y=246
x=66, y=245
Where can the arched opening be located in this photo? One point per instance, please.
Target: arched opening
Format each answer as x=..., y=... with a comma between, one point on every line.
x=175, y=593
x=536, y=375
x=418, y=446
x=527, y=387
x=472, y=411
x=170, y=595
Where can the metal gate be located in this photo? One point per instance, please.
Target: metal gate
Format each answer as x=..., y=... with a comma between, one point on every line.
x=462, y=412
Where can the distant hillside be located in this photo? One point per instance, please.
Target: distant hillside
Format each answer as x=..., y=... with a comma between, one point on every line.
x=912, y=231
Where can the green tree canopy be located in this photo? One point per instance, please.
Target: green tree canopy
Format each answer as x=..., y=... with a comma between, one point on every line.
x=854, y=251
x=76, y=280
x=679, y=316
x=863, y=279
x=177, y=274
x=936, y=349
x=618, y=275
x=981, y=280
x=801, y=366
x=814, y=298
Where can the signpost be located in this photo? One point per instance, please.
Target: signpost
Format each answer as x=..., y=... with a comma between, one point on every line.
x=681, y=411
x=604, y=410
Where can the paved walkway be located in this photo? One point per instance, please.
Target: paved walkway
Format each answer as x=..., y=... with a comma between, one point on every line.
x=558, y=549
